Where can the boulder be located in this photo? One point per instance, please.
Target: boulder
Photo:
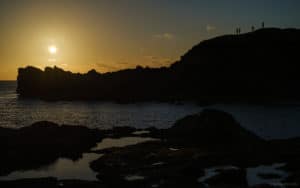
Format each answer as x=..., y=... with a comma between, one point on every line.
x=213, y=129
x=42, y=143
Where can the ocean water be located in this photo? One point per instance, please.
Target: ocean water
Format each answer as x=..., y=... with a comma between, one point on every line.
x=276, y=121
x=16, y=112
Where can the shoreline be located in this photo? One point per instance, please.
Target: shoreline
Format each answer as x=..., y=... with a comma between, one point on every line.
x=182, y=152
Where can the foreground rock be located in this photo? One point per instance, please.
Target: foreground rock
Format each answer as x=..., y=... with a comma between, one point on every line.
x=50, y=183
x=214, y=130
x=43, y=143
x=212, y=138
x=179, y=158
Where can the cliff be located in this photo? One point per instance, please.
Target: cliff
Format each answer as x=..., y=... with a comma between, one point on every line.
x=257, y=66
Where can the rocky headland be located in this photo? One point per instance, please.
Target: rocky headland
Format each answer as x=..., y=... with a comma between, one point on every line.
x=260, y=66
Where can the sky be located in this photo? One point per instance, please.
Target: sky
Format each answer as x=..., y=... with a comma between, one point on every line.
x=109, y=35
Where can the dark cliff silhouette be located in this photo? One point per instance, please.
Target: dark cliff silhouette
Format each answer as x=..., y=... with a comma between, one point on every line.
x=258, y=66
x=129, y=85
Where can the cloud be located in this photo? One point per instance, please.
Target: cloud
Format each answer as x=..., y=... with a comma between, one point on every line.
x=164, y=36
x=113, y=66
x=123, y=63
x=106, y=66
x=210, y=28
x=158, y=61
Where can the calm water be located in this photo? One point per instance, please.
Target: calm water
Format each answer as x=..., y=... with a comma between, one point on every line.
x=252, y=174
x=277, y=121
x=15, y=112
x=68, y=169
x=61, y=169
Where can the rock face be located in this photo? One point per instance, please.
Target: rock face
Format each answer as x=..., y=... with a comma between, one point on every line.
x=43, y=143
x=213, y=129
x=129, y=85
x=50, y=183
x=182, y=155
x=259, y=66
x=194, y=143
x=229, y=178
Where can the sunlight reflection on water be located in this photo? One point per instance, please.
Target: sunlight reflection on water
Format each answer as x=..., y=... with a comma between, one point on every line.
x=276, y=121
x=62, y=169
x=94, y=114
x=121, y=142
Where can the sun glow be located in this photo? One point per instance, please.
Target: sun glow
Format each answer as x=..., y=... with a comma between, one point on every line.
x=52, y=49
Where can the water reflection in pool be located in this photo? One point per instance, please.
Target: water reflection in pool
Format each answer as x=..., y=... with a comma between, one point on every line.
x=62, y=169
x=121, y=142
x=68, y=169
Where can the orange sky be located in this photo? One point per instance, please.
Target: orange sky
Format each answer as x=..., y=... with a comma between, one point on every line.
x=113, y=35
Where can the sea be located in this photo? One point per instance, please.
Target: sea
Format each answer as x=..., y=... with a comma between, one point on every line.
x=276, y=121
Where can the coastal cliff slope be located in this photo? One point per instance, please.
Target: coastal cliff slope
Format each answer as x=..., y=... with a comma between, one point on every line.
x=258, y=66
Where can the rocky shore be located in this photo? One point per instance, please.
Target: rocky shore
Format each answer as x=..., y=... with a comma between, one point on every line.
x=181, y=156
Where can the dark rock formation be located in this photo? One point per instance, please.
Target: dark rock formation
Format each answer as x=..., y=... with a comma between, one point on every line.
x=209, y=139
x=123, y=86
x=50, y=183
x=43, y=143
x=214, y=130
x=269, y=176
x=229, y=178
x=260, y=66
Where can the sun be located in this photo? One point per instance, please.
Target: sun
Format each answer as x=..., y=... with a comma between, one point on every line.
x=52, y=49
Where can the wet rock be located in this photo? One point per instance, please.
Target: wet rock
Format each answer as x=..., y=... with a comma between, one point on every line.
x=180, y=156
x=42, y=143
x=264, y=186
x=139, y=160
x=293, y=167
x=50, y=183
x=31, y=183
x=228, y=178
x=269, y=176
x=213, y=130
x=118, y=132
x=204, y=140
